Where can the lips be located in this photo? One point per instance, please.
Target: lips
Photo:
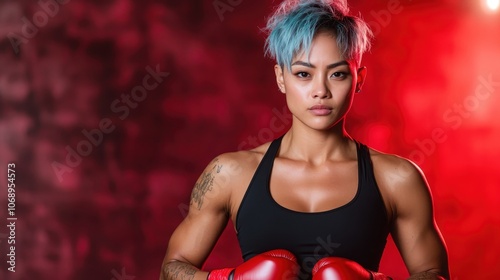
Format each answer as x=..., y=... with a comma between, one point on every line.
x=321, y=110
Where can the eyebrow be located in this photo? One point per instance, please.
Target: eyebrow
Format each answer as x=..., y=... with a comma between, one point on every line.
x=330, y=66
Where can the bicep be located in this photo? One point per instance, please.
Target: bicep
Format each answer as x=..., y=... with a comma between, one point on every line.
x=414, y=230
x=208, y=215
x=195, y=237
x=421, y=247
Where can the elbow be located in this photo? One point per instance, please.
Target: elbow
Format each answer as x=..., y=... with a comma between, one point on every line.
x=432, y=274
x=165, y=268
x=177, y=269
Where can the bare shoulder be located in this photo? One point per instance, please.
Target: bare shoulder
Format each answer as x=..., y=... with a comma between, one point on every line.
x=239, y=162
x=394, y=171
x=400, y=181
x=229, y=171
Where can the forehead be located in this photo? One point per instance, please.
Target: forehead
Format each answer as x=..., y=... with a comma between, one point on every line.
x=323, y=49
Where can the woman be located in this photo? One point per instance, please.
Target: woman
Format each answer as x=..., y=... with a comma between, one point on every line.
x=314, y=203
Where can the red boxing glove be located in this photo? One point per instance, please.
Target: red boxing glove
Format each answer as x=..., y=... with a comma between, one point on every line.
x=334, y=268
x=275, y=264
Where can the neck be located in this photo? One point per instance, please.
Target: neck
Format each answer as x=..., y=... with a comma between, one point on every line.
x=317, y=146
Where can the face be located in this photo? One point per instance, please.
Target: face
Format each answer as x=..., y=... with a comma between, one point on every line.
x=319, y=89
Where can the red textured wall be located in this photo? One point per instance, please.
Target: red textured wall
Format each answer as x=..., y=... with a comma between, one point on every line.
x=111, y=109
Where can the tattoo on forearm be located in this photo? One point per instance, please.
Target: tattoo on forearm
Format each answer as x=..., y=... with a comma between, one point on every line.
x=426, y=276
x=178, y=271
x=204, y=185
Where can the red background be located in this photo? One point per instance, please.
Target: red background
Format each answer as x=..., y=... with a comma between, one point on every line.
x=425, y=98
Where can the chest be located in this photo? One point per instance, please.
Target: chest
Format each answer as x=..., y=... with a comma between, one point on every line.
x=306, y=188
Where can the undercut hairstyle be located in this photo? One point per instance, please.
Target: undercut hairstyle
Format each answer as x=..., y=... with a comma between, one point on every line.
x=294, y=24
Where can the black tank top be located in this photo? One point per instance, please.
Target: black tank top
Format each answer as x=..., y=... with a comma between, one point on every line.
x=357, y=230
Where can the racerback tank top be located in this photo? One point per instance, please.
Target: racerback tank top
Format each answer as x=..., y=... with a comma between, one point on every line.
x=357, y=230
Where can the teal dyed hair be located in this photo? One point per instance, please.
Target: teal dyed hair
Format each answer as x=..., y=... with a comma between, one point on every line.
x=294, y=24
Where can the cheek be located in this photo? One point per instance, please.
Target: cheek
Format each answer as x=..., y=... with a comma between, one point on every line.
x=295, y=98
x=296, y=90
x=343, y=88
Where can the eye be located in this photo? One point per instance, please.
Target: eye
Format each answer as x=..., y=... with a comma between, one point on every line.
x=340, y=75
x=302, y=74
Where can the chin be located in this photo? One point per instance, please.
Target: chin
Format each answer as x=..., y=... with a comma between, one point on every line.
x=321, y=123
x=323, y=126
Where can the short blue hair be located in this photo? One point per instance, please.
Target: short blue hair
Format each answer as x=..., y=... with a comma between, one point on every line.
x=294, y=24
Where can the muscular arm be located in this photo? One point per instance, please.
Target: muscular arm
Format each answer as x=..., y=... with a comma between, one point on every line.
x=427, y=276
x=196, y=236
x=179, y=270
x=414, y=230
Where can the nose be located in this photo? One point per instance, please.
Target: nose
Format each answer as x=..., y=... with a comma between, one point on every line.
x=320, y=88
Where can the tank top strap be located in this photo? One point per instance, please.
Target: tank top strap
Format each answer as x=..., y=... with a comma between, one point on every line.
x=271, y=153
x=367, y=178
x=365, y=164
x=257, y=190
x=263, y=172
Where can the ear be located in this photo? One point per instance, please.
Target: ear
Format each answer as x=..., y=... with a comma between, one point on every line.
x=279, y=78
x=361, y=78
